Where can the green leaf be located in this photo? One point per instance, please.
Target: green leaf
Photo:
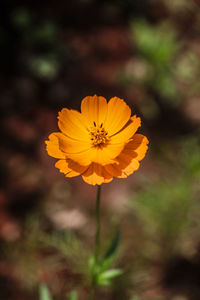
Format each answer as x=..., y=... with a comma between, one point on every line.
x=113, y=246
x=111, y=273
x=92, y=262
x=73, y=296
x=157, y=44
x=105, y=277
x=108, y=258
x=44, y=293
x=104, y=282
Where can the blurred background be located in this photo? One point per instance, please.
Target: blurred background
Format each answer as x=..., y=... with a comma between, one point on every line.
x=54, y=53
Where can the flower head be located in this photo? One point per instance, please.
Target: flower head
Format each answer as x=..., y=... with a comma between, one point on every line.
x=99, y=143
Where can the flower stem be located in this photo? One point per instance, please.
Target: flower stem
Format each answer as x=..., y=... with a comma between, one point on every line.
x=97, y=243
x=98, y=224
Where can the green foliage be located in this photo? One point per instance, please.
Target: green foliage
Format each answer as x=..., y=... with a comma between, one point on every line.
x=21, y=18
x=100, y=274
x=165, y=207
x=44, y=293
x=187, y=67
x=45, y=33
x=73, y=295
x=162, y=62
x=157, y=48
x=191, y=158
x=157, y=44
x=105, y=277
x=45, y=62
x=45, y=66
x=165, y=85
x=113, y=245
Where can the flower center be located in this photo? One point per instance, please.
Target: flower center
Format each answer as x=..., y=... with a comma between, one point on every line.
x=99, y=136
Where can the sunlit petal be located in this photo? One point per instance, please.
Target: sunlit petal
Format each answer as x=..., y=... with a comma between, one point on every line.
x=138, y=145
x=125, y=166
x=94, y=109
x=127, y=132
x=107, y=154
x=68, y=145
x=70, y=168
x=52, y=147
x=73, y=124
x=118, y=115
x=96, y=174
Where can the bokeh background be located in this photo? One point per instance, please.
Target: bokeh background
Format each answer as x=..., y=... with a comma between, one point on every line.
x=54, y=53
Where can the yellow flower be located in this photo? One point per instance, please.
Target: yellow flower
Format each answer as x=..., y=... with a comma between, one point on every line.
x=99, y=143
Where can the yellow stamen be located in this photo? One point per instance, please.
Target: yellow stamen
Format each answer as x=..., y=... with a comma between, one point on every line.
x=99, y=136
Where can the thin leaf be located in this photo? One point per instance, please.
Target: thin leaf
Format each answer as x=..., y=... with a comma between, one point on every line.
x=44, y=293
x=105, y=263
x=73, y=296
x=108, y=258
x=106, y=277
x=104, y=282
x=113, y=246
x=91, y=262
x=112, y=273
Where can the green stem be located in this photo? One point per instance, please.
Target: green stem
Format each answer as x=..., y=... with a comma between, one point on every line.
x=97, y=241
x=98, y=224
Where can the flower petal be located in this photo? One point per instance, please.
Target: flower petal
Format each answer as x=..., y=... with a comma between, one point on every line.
x=118, y=115
x=94, y=109
x=78, y=151
x=127, y=132
x=137, y=146
x=70, y=168
x=97, y=155
x=128, y=165
x=84, y=153
x=125, y=166
x=68, y=145
x=128, y=160
x=82, y=158
x=73, y=124
x=96, y=174
x=106, y=155
x=52, y=147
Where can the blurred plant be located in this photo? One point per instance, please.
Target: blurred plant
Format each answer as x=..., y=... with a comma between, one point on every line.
x=45, y=67
x=44, y=53
x=166, y=214
x=164, y=66
x=21, y=18
x=60, y=251
x=187, y=66
x=100, y=274
x=156, y=44
x=191, y=158
x=73, y=296
x=44, y=293
x=166, y=207
x=157, y=47
x=180, y=6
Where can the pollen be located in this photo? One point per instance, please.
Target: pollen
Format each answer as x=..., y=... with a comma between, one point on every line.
x=99, y=136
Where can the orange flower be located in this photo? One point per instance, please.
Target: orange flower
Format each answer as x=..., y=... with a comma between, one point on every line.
x=99, y=143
